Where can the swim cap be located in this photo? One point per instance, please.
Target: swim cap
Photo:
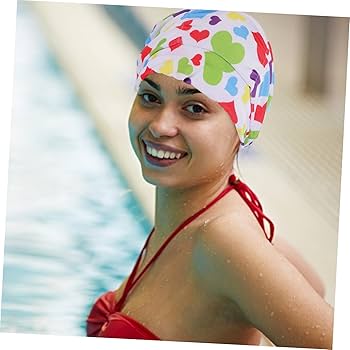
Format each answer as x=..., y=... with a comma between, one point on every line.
x=225, y=55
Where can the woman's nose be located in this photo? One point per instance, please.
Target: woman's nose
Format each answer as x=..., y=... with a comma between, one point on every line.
x=164, y=123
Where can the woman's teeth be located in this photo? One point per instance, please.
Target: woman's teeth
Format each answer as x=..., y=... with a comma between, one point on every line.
x=161, y=154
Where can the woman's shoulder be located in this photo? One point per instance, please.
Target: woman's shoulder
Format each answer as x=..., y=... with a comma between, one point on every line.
x=234, y=260
x=228, y=234
x=223, y=244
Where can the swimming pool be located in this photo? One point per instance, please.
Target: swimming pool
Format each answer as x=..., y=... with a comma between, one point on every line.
x=69, y=209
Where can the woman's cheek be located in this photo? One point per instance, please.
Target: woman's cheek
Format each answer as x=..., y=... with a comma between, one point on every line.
x=134, y=133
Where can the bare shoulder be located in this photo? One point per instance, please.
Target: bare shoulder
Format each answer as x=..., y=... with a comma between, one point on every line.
x=235, y=260
x=227, y=242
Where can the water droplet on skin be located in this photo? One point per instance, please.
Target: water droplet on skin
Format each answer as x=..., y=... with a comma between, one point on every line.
x=289, y=329
x=260, y=274
x=323, y=334
x=228, y=261
x=266, y=294
x=306, y=332
x=317, y=326
x=272, y=314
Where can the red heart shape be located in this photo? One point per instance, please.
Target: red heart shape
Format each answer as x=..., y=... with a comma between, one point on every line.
x=146, y=73
x=175, y=43
x=196, y=60
x=185, y=25
x=262, y=48
x=230, y=108
x=260, y=113
x=146, y=50
x=199, y=35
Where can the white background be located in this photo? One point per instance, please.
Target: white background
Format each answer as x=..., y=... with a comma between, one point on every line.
x=7, y=40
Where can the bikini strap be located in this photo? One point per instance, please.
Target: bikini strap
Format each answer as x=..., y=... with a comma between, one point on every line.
x=247, y=195
x=129, y=283
x=253, y=203
x=132, y=280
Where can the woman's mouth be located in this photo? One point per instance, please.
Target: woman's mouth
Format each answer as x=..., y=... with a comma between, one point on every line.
x=161, y=155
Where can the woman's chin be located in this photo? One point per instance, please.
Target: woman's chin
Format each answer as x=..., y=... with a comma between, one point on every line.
x=158, y=181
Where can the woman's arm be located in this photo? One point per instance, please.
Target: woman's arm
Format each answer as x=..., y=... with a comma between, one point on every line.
x=239, y=263
x=301, y=264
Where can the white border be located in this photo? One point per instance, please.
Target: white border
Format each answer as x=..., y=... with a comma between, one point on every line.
x=7, y=40
x=334, y=8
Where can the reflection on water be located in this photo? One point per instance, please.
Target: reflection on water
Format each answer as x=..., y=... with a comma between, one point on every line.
x=73, y=227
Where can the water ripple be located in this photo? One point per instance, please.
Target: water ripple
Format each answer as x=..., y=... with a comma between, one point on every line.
x=73, y=228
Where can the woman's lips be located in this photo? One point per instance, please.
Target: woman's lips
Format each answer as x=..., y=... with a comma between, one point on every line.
x=161, y=162
x=164, y=148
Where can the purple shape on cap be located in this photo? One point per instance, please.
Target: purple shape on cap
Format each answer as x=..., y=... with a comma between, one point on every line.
x=254, y=75
x=214, y=20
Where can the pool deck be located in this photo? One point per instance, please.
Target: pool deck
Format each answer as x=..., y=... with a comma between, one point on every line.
x=100, y=61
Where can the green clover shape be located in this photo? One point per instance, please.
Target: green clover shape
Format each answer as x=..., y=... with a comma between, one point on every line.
x=225, y=54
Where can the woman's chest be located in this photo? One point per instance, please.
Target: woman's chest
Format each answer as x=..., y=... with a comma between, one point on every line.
x=171, y=301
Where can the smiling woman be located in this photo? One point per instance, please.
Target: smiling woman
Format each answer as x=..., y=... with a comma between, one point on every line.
x=156, y=119
x=204, y=84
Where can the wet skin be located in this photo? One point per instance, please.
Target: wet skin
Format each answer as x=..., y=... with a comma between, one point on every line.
x=220, y=280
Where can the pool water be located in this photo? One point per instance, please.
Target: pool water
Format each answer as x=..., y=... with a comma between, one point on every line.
x=73, y=227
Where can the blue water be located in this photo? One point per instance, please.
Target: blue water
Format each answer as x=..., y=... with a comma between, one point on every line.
x=73, y=227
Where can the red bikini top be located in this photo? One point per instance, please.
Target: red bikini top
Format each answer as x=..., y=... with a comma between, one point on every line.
x=106, y=318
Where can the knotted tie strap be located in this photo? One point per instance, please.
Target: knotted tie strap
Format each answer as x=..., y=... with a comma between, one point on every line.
x=255, y=206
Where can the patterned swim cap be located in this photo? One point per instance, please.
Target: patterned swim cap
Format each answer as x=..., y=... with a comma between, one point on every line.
x=225, y=55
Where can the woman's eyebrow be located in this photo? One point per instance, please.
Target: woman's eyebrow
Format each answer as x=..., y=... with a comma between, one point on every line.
x=187, y=91
x=152, y=83
x=179, y=90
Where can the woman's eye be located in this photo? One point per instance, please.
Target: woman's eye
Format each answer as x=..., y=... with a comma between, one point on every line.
x=195, y=109
x=148, y=98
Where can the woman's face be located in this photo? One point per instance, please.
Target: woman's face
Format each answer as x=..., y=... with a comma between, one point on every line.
x=190, y=137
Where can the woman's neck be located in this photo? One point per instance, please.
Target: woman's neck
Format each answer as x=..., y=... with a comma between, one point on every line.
x=173, y=206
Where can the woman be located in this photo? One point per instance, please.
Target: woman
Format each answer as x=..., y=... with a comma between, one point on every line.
x=210, y=270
